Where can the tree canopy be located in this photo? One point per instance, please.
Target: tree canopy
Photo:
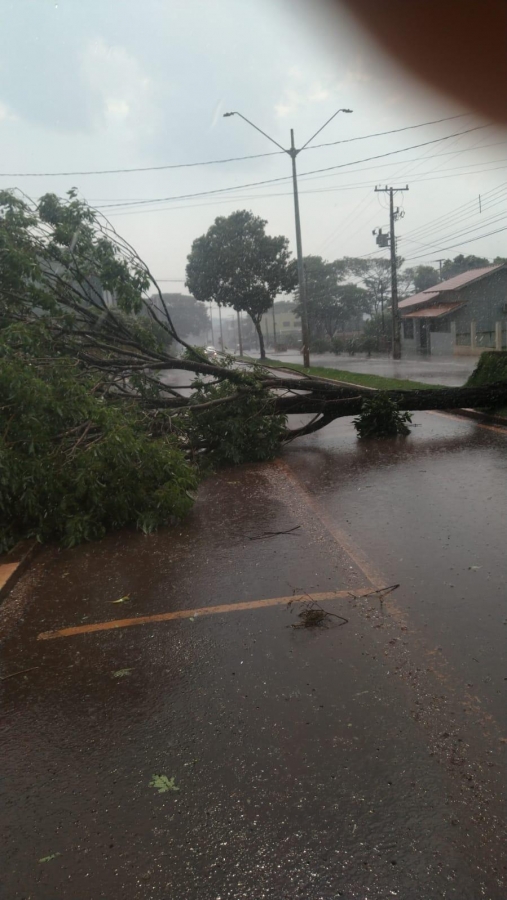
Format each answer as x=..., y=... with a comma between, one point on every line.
x=420, y=278
x=331, y=301
x=237, y=264
x=460, y=264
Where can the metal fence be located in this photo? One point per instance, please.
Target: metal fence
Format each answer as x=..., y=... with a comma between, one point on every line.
x=485, y=339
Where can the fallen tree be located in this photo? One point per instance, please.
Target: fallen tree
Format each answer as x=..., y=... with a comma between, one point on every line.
x=332, y=407
x=100, y=427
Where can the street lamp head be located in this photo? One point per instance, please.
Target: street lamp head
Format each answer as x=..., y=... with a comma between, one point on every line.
x=226, y=115
x=347, y=110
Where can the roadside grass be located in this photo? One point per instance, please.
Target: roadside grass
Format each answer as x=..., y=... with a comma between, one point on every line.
x=373, y=381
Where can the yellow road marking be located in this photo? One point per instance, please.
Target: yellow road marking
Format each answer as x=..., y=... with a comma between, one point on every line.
x=201, y=611
x=6, y=570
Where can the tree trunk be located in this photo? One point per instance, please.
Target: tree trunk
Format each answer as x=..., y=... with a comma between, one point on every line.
x=487, y=396
x=260, y=336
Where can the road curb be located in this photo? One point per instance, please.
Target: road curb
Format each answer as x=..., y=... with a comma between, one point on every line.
x=14, y=563
x=485, y=418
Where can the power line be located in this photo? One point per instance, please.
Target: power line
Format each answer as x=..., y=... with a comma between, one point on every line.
x=461, y=231
x=458, y=213
x=239, y=197
x=288, y=177
x=459, y=244
x=382, y=133
x=426, y=158
x=216, y=162
x=247, y=197
x=433, y=235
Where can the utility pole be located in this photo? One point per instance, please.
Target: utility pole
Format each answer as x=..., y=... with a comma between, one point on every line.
x=221, y=329
x=293, y=152
x=274, y=326
x=440, y=261
x=393, y=215
x=299, y=249
x=211, y=320
x=240, y=342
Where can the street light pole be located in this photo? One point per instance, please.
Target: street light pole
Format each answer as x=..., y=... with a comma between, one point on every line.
x=293, y=152
x=299, y=248
x=274, y=326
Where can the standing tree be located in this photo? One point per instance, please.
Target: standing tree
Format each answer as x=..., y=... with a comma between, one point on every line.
x=420, y=278
x=331, y=303
x=460, y=264
x=237, y=264
x=374, y=275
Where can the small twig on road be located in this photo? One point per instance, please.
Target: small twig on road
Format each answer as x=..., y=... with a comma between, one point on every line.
x=314, y=616
x=21, y=672
x=268, y=534
x=382, y=592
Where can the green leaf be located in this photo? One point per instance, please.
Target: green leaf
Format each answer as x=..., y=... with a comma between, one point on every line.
x=163, y=784
x=46, y=859
x=121, y=673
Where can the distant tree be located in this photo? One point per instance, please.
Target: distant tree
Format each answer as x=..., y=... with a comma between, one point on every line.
x=331, y=303
x=237, y=264
x=374, y=275
x=188, y=316
x=460, y=264
x=420, y=278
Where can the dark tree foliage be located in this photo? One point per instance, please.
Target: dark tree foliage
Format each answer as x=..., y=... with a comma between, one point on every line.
x=381, y=417
x=331, y=302
x=420, y=278
x=460, y=264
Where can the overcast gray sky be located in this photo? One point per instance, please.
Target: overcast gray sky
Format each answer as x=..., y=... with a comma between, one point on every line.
x=112, y=84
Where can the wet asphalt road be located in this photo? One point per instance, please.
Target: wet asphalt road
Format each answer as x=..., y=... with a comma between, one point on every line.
x=362, y=760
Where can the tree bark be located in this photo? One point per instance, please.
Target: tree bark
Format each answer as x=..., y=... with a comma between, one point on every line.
x=260, y=336
x=488, y=396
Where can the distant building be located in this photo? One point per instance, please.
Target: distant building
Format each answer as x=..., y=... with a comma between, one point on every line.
x=461, y=316
x=287, y=323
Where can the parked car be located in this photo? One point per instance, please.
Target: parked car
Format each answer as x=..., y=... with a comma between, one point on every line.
x=211, y=352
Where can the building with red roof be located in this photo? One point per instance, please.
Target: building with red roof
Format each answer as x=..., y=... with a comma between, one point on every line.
x=462, y=316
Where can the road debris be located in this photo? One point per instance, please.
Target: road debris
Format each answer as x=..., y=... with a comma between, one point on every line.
x=45, y=859
x=163, y=784
x=121, y=599
x=314, y=616
x=382, y=593
x=269, y=534
x=21, y=672
x=121, y=673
